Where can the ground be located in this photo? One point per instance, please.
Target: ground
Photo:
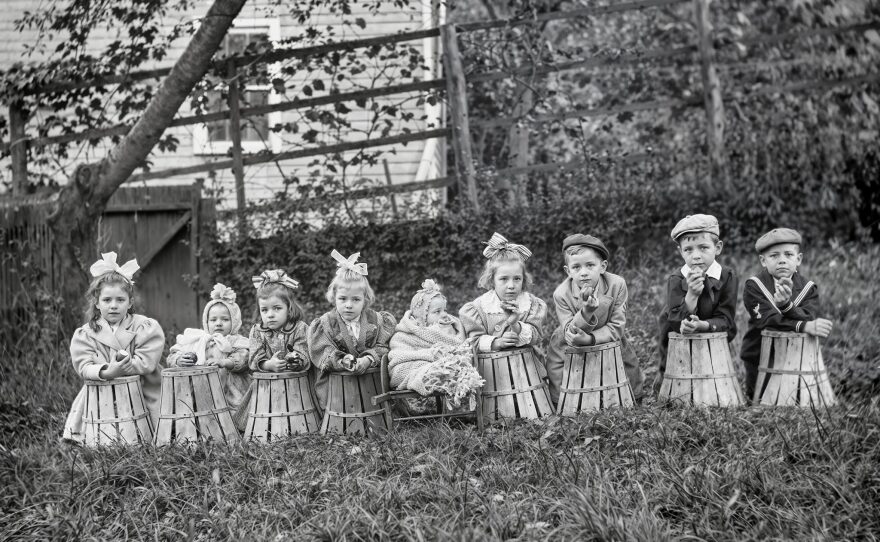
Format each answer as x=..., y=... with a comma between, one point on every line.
x=650, y=473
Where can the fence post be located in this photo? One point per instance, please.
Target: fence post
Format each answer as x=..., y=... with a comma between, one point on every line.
x=456, y=90
x=18, y=147
x=234, y=103
x=711, y=93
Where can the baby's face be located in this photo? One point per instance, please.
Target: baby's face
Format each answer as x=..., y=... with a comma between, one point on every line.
x=436, y=311
x=782, y=260
x=219, y=320
x=585, y=268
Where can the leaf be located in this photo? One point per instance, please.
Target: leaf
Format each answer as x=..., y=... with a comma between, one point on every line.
x=317, y=84
x=624, y=117
x=360, y=22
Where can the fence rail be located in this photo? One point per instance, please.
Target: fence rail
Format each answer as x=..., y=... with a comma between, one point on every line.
x=454, y=88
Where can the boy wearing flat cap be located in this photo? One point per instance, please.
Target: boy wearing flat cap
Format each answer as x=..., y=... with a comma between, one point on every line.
x=778, y=298
x=591, y=308
x=701, y=296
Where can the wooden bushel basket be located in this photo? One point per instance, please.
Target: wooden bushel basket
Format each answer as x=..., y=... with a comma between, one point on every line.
x=791, y=371
x=349, y=402
x=593, y=379
x=281, y=404
x=513, y=388
x=193, y=407
x=699, y=371
x=115, y=412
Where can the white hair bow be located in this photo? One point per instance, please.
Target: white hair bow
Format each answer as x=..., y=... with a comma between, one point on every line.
x=107, y=264
x=350, y=263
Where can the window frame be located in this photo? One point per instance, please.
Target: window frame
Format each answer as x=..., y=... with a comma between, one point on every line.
x=202, y=143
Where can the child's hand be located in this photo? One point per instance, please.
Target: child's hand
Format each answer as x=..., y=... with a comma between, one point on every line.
x=695, y=282
x=187, y=359
x=691, y=325
x=819, y=327
x=507, y=340
x=575, y=336
x=225, y=363
x=783, y=291
x=361, y=365
x=275, y=365
x=591, y=302
x=116, y=369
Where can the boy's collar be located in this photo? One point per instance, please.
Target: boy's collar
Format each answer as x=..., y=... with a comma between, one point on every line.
x=714, y=270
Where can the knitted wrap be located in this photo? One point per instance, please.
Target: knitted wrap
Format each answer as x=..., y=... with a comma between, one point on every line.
x=429, y=359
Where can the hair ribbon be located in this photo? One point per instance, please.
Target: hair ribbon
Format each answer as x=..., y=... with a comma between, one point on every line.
x=269, y=276
x=107, y=264
x=498, y=243
x=350, y=263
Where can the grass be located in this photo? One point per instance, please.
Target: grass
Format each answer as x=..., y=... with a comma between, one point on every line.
x=651, y=473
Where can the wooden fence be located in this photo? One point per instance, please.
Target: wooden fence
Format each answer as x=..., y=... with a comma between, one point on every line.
x=458, y=131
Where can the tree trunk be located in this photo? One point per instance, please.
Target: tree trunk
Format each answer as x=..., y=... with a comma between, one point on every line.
x=81, y=202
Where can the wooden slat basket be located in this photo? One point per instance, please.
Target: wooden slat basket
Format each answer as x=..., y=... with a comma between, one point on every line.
x=791, y=371
x=193, y=407
x=350, y=407
x=513, y=387
x=699, y=371
x=282, y=404
x=115, y=413
x=593, y=378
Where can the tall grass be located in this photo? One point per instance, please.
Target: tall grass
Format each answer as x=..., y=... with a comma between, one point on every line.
x=650, y=473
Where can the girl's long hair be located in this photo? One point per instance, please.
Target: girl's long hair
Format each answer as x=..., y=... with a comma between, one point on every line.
x=91, y=312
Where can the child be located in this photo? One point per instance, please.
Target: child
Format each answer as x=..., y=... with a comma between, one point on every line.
x=429, y=351
x=506, y=316
x=278, y=342
x=351, y=337
x=779, y=298
x=218, y=343
x=115, y=342
x=591, y=307
x=701, y=297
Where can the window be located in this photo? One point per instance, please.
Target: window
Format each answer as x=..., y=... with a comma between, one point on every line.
x=215, y=137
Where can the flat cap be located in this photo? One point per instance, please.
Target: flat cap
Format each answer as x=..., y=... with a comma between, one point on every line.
x=696, y=224
x=777, y=236
x=578, y=239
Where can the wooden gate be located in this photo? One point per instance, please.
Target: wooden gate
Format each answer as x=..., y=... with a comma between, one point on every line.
x=167, y=228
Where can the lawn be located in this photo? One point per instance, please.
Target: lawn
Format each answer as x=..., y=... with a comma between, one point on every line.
x=649, y=473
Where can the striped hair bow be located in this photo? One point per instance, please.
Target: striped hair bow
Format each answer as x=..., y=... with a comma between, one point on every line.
x=350, y=263
x=498, y=243
x=107, y=264
x=274, y=275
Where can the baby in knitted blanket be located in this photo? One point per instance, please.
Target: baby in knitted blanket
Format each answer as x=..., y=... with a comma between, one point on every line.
x=429, y=351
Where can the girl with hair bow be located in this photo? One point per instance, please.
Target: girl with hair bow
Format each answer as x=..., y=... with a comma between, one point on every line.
x=352, y=336
x=507, y=315
x=115, y=341
x=219, y=343
x=278, y=339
